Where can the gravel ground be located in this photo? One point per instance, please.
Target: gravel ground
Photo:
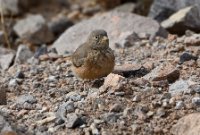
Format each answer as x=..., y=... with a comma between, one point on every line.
x=143, y=96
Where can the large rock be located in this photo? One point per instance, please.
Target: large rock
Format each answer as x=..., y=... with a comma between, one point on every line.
x=34, y=29
x=117, y=24
x=187, y=18
x=162, y=9
x=188, y=125
x=9, y=7
x=15, y=7
x=59, y=24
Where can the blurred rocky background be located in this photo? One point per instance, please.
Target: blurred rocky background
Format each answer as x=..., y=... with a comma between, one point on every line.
x=154, y=89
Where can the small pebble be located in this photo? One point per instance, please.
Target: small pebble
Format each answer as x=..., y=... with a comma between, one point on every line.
x=196, y=101
x=120, y=93
x=20, y=75
x=12, y=83
x=179, y=105
x=137, y=98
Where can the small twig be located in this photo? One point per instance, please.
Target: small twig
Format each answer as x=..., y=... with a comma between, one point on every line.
x=4, y=27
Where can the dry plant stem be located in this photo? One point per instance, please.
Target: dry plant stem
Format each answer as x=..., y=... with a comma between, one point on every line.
x=4, y=27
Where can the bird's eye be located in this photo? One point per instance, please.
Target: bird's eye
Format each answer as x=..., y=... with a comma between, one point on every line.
x=96, y=37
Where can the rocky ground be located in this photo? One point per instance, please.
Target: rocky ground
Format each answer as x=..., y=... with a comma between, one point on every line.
x=153, y=90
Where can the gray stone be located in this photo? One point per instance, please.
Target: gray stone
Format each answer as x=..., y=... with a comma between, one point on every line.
x=9, y=7
x=26, y=98
x=150, y=114
x=34, y=29
x=59, y=24
x=196, y=101
x=128, y=7
x=141, y=108
x=187, y=18
x=5, y=127
x=59, y=121
x=20, y=75
x=80, y=105
x=187, y=57
x=33, y=61
x=120, y=93
x=143, y=35
x=141, y=112
x=94, y=129
x=98, y=103
x=41, y=51
x=134, y=128
x=66, y=107
x=69, y=106
x=160, y=113
x=195, y=88
x=130, y=40
x=162, y=9
x=111, y=117
x=116, y=108
x=15, y=7
x=6, y=58
x=165, y=103
x=23, y=54
x=179, y=105
x=73, y=96
x=179, y=87
x=127, y=112
x=53, y=79
x=166, y=96
x=73, y=121
x=12, y=83
x=137, y=98
x=117, y=24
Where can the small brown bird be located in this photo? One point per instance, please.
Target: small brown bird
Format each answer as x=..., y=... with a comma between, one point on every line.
x=93, y=59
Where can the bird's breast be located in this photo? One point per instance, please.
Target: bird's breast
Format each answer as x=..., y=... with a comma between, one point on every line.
x=97, y=64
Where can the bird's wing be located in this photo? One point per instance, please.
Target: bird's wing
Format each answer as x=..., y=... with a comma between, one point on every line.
x=79, y=56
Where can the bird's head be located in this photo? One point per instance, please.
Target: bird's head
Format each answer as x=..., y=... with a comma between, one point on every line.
x=99, y=39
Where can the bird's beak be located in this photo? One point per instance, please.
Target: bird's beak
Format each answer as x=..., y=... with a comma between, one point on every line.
x=105, y=39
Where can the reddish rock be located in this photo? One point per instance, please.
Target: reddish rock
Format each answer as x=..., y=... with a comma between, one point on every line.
x=193, y=40
x=188, y=125
x=113, y=81
x=165, y=71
